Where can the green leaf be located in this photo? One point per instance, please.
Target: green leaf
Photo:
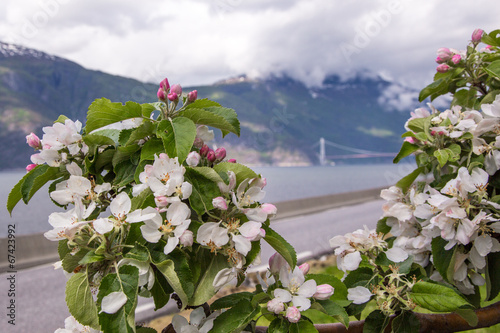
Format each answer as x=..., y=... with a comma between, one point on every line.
x=444, y=260
x=492, y=275
x=126, y=280
x=151, y=148
x=204, y=289
x=437, y=298
x=230, y=300
x=376, y=322
x=405, y=182
x=435, y=88
x=215, y=116
x=80, y=301
x=406, y=150
x=203, y=190
x=491, y=38
x=103, y=112
x=174, y=275
x=406, y=322
x=125, y=153
x=494, y=69
x=236, y=317
x=63, y=249
x=141, y=132
x=360, y=277
x=340, y=293
x=124, y=173
x=333, y=309
x=161, y=290
x=278, y=243
x=382, y=226
x=15, y=194
x=303, y=326
x=442, y=156
x=241, y=171
x=96, y=140
x=35, y=179
x=469, y=315
x=465, y=98
x=279, y=325
x=178, y=135
x=91, y=257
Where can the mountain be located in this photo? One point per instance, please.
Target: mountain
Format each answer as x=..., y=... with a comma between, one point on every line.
x=282, y=119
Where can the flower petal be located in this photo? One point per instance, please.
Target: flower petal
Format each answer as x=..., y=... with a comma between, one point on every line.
x=113, y=302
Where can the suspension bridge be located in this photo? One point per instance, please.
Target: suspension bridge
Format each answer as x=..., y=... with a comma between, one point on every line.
x=353, y=152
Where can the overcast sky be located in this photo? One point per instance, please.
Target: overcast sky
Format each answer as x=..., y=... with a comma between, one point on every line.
x=202, y=41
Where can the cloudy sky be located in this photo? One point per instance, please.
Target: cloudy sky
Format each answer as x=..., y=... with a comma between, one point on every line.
x=202, y=41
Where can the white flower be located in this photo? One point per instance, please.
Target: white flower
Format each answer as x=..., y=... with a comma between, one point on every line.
x=359, y=295
x=67, y=224
x=211, y=234
x=245, y=197
x=73, y=326
x=198, y=322
x=146, y=274
x=177, y=223
x=298, y=291
x=396, y=254
x=204, y=133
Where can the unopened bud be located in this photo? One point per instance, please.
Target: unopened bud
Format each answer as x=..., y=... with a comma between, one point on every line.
x=173, y=97
x=456, y=59
x=444, y=53
x=304, y=268
x=192, y=96
x=443, y=68
x=33, y=141
x=30, y=167
x=477, y=35
x=204, y=150
x=323, y=291
x=276, y=261
x=193, y=159
x=269, y=209
x=219, y=203
x=293, y=314
x=162, y=96
x=164, y=84
x=198, y=143
x=220, y=154
x=211, y=156
x=186, y=238
x=231, y=160
x=176, y=88
x=275, y=305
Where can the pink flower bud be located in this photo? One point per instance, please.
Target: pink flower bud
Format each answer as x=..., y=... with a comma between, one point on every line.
x=211, y=156
x=231, y=160
x=276, y=261
x=193, y=159
x=161, y=201
x=323, y=291
x=220, y=154
x=410, y=139
x=219, y=203
x=198, y=143
x=192, y=96
x=30, y=167
x=292, y=314
x=33, y=141
x=204, y=150
x=439, y=60
x=456, y=59
x=433, y=133
x=444, y=54
x=269, y=209
x=477, y=35
x=275, y=305
x=304, y=268
x=176, y=88
x=173, y=97
x=186, y=238
x=443, y=68
x=162, y=96
x=164, y=84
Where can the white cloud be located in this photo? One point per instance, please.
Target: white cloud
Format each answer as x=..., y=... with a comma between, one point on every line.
x=200, y=41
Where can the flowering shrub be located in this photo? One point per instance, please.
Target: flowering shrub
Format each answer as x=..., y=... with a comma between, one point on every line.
x=155, y=212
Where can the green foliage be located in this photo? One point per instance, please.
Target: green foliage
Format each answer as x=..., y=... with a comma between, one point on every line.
x=236, y=317
x=281, y=246
x=80, y=301
x=437, y=298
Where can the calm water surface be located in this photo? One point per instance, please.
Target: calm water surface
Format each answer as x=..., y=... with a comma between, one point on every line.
x=282, y=184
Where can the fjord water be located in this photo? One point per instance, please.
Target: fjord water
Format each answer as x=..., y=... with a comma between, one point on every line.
x=283, y=183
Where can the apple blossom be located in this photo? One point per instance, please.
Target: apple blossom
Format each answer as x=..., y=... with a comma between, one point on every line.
x=220, y=154
x=323, y=291
x=30, y=167
x=71, y=325
x=193, y=159
x=33, y=141
x=204, y=133
x=443, y=68
x=293, y=314
x=113, y=302
x=359, y=295
x=219, y=203
x=275, y=306
x=477, y=35
x=192, y=96
x=164, y=84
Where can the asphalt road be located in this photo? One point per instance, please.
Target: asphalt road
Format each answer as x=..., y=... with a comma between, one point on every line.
x=39, y=305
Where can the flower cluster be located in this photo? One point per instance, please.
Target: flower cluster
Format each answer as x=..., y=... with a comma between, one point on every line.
x=290, y=292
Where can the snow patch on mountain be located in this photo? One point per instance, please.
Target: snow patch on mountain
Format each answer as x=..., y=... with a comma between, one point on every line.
x=12, y=50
